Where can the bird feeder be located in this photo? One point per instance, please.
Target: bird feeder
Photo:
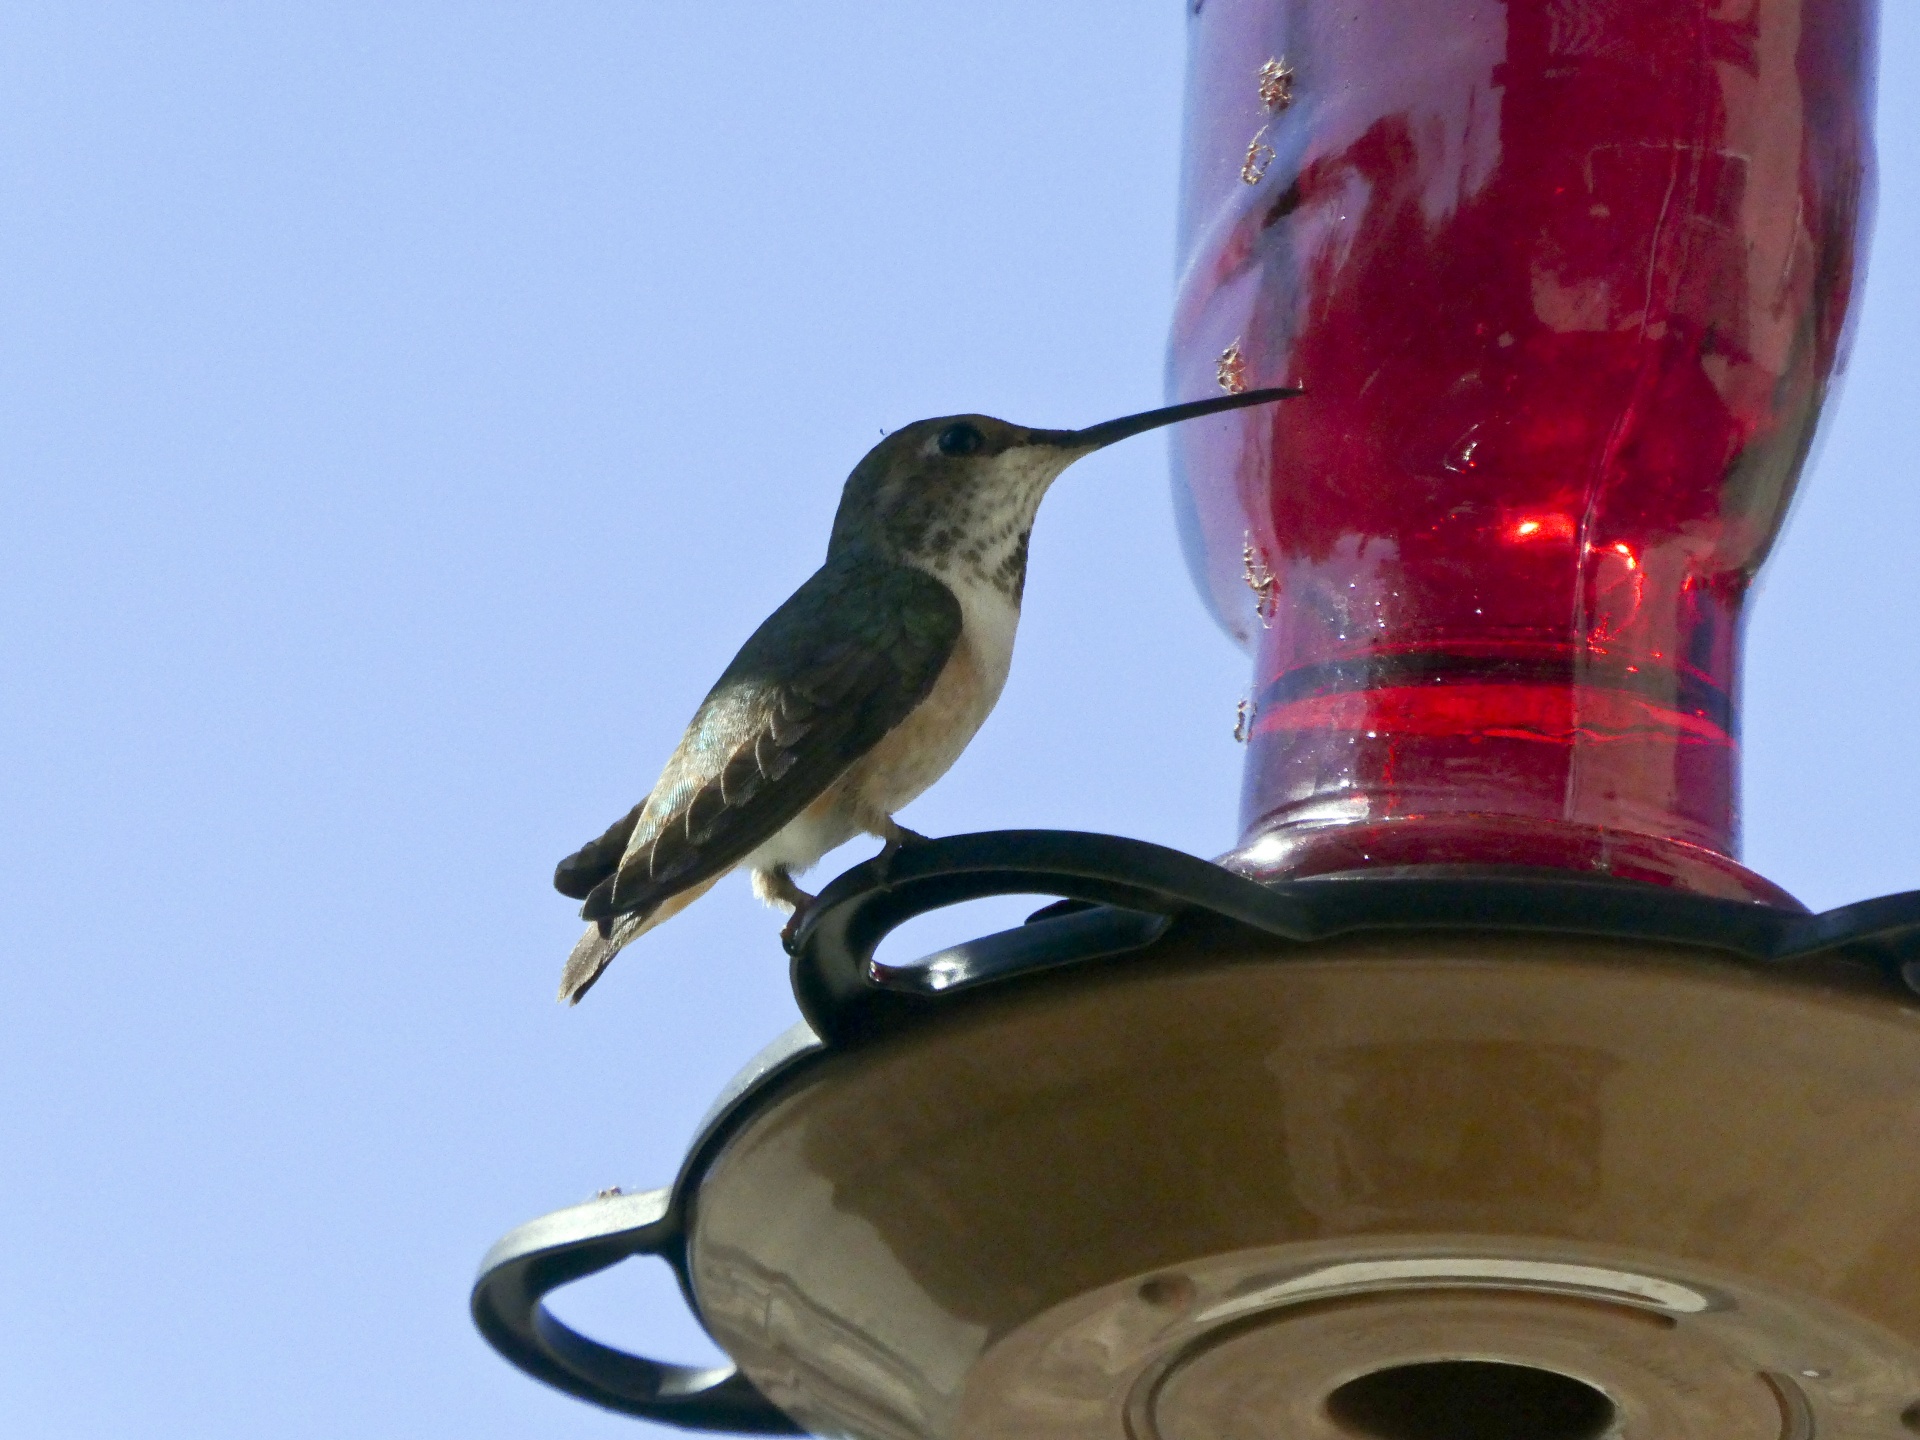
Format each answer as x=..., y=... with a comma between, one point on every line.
x=1481, y=1094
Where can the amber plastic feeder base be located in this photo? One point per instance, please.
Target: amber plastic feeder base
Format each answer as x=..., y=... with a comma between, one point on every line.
x=1409, y=1188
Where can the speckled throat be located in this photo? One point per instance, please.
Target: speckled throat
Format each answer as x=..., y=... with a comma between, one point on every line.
x=983, y=538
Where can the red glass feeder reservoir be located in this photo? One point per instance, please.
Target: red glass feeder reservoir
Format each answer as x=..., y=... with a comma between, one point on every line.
x=1566, y=284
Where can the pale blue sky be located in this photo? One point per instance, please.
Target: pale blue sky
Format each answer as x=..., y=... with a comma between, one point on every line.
x=405, y=410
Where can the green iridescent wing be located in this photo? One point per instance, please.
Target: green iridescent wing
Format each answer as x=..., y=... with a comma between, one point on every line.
x=836, y=667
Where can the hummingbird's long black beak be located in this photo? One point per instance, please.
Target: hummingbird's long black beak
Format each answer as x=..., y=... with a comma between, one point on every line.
x=1095, y=436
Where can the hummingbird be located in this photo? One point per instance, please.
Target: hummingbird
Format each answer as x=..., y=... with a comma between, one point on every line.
x=860, y=691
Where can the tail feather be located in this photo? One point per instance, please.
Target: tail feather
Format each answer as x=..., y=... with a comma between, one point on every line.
x=605, y=939
x=598, y=859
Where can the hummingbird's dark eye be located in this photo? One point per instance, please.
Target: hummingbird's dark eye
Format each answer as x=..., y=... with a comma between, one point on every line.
x=960, y=439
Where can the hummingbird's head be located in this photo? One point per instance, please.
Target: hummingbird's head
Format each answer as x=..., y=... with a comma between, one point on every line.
x=958, y=494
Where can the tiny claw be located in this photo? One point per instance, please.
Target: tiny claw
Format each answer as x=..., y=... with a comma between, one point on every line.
x=895, y=839
x=899, y=838
x=790, y=932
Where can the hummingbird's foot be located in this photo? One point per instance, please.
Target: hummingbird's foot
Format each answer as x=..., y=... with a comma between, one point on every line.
x=896, y=838
x=775, y=886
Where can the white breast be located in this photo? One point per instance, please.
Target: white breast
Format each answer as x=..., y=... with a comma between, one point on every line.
x=988, y=620
x=924, y=746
